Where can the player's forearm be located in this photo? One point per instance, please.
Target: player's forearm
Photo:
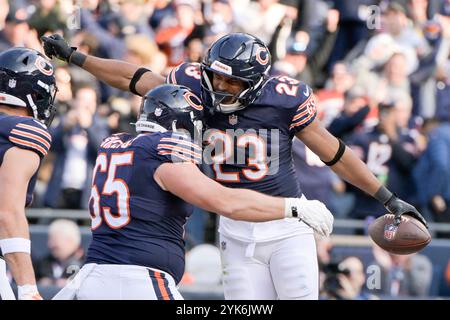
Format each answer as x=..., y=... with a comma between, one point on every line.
x=248, y=205
x=348, y=166
x=116, y=73
x=353, y=170
x=21, y=268
x=13, y=226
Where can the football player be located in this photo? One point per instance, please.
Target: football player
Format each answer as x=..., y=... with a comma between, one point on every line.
x=27, y=93
x=142, y=190
x=254, y=118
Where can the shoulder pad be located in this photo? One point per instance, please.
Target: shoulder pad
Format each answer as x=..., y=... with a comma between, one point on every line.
x=174, y=147
x=30, y=134
x=186, y=74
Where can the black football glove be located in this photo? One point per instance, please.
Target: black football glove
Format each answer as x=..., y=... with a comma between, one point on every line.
x=399, y=207
x=56, y=46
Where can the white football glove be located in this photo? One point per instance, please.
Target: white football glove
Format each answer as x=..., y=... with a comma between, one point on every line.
x=312, y=212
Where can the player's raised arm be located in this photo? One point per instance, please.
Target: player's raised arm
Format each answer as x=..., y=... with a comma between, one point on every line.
x=18, y=167
x=187, y=182
x=348, y=166
x=119, y=74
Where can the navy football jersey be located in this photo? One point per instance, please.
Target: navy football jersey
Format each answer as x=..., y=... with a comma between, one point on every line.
x=375, y=150
x=256, y=142
x=25, y=133
x=134, y=221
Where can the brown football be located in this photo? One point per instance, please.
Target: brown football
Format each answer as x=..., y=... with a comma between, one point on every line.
x=410, y=236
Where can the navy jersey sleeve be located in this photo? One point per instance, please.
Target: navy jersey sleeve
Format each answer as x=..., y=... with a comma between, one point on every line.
x=31, y=135
x=176, y=148
x=294, y=99
x=305, y=111
x=186, y=74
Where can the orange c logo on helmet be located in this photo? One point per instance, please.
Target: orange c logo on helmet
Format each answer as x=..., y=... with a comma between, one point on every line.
x=262, y=56
x=43, y=66
x=193, y=101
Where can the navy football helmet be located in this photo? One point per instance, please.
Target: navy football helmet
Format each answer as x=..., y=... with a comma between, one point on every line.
x=239, y=56
x=171, y=107
x=27, y=80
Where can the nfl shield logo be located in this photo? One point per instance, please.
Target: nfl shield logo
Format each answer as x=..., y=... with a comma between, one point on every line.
x=389, y=232
x=12, y=83
x=233, y=119
x=158, y=112
x=223, y=245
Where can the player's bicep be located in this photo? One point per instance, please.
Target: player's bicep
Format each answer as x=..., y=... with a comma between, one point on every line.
x=187, y=182
x=18, y=167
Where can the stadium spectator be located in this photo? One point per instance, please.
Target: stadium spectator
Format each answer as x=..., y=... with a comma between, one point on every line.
x=432, y=173
x=300, y=62
x=75, y=143
x=65, y=256
x=218, y=16
x=403, y=275
x=390, y=153
x=443, y=91
x=144, y=51
x=16, y=32
x=355, y=113
x=348, y=281
x=353, y=26
x=47, y=17
x=175, y=28
x=330, y=99
x=262, y=17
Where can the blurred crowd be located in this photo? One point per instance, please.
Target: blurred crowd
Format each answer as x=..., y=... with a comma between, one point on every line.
x=380, y=70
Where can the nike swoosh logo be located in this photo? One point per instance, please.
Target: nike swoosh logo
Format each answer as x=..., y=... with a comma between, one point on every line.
x=306, y=93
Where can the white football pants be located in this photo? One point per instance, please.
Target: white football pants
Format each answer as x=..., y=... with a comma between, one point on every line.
x=119, y=282
x=285, y=269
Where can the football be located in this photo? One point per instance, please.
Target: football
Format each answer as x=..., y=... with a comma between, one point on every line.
x=408, y=237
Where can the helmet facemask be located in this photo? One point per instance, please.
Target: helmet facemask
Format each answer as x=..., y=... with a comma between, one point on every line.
x=45, y=103
x=215, y=98
x=239, y=56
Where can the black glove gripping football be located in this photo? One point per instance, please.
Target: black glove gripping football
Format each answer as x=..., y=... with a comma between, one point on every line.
x=56, y=46
x=399, y=207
